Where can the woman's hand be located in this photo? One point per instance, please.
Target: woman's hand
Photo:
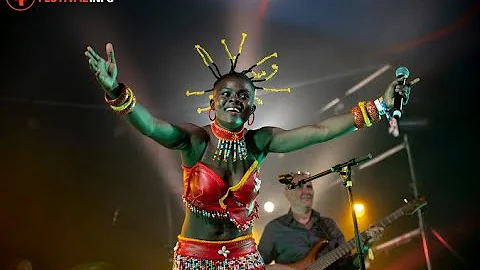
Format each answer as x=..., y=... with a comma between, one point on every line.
x=396, y=86
x=105, y=70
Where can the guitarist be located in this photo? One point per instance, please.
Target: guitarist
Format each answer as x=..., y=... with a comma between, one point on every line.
x=289, y=238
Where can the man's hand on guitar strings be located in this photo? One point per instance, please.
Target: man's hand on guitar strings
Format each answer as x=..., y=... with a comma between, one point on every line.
x=374, y=233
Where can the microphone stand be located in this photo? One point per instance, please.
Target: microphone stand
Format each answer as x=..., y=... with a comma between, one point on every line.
x=346, y=174
x=345, y=171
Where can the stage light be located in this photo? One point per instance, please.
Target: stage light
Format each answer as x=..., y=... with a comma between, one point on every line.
x=359, y=209
x=268, y=207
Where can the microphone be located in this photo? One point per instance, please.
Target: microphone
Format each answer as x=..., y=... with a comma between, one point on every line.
x=401, y=73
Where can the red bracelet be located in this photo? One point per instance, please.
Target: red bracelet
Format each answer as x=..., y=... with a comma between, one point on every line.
x=122, y=98
x=129, y=109
x=372, y=111
x=357, y=117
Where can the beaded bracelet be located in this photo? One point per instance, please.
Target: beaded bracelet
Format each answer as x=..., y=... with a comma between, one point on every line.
x=381, y=106
x=372, y=111
x=366, y=119
x=365, y=114
x=357, y=117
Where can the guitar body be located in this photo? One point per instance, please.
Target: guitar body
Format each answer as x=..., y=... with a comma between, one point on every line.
x=311, y=256
x=310, y=261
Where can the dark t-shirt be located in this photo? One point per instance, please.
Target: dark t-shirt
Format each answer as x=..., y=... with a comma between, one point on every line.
x=284, y=240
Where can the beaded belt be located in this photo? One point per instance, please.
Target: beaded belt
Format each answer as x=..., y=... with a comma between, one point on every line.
x=243, y=224
x=237, y=254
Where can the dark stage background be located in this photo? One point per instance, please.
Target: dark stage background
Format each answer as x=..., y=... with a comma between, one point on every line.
x=79, y=185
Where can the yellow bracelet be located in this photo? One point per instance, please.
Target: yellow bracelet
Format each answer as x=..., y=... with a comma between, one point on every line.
x=368, y=123
x=129, y=109
x=126, y=104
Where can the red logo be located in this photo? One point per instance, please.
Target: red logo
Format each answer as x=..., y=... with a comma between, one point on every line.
x=20, y=5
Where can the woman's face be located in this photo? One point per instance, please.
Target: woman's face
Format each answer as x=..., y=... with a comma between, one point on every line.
x=233, y=101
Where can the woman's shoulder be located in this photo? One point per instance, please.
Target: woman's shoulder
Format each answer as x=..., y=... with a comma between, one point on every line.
x=262, y=136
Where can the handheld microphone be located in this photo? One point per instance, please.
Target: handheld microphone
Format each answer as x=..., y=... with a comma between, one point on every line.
x=401, y=73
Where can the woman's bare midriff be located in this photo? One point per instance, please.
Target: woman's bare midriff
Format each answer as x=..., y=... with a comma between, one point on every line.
x=209, y=229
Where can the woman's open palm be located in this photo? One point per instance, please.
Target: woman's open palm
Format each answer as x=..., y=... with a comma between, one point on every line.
x=105, y=70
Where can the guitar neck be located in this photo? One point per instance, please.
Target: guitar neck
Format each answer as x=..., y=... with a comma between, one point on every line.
x=342, y=250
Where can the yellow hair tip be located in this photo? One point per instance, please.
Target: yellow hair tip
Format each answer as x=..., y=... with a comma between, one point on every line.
x=200, y=110
x=188, y=93
x=258, y=75
x=240, y=47
x=210, y=96
x=275, y=70
x=267, y=57
x=226, y=49
x=288, y=90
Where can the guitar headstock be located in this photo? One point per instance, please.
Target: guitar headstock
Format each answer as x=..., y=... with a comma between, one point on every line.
x=414, y=205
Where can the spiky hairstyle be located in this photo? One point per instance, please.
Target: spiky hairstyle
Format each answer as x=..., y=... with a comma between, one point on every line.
x=249, y=74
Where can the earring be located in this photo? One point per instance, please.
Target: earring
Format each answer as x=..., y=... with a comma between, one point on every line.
x=253, y=119
x=210, y=116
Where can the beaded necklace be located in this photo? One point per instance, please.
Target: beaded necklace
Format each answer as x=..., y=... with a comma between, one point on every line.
x=229, y=143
